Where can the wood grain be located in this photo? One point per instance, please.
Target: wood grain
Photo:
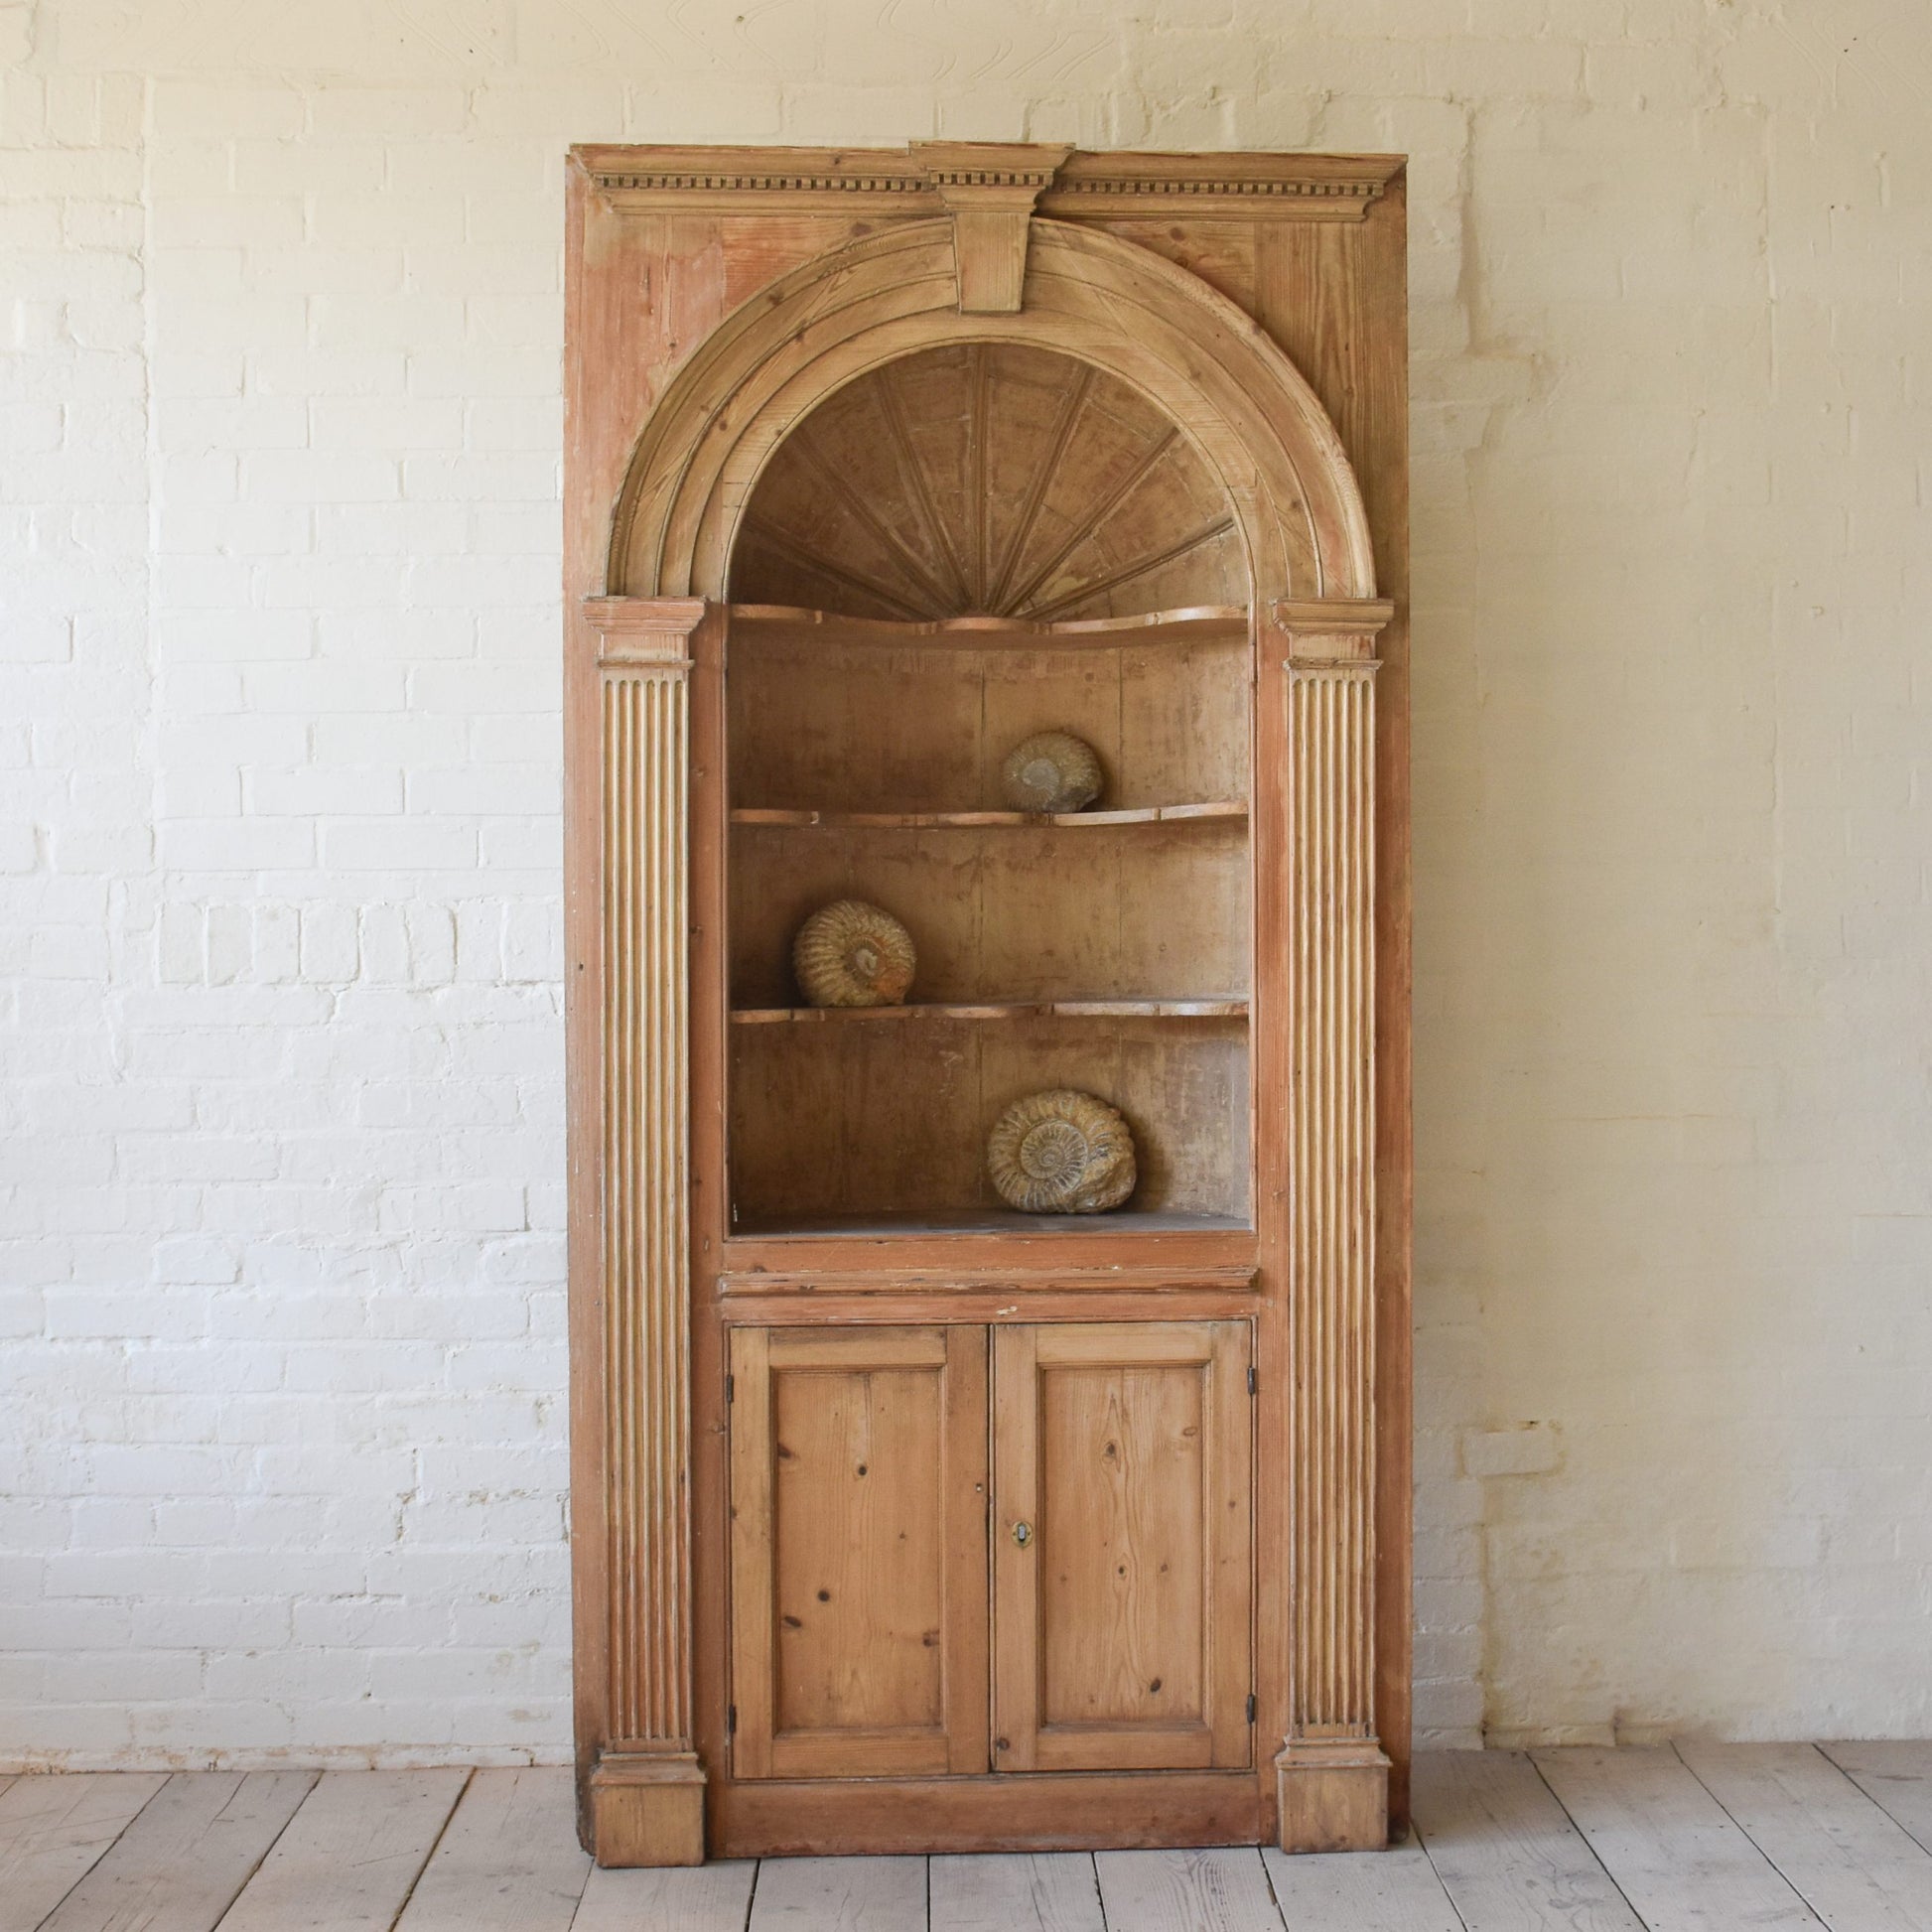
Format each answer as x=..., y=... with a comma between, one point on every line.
x=1083, y=486
x=1669, y=1846
x=1506, y=1854
x=929, y=821
x=704, y=1899
x=845, y=1125
x=1331, y=1770
x=795, y=624
x=1122, y=1610
x=838, y=1895
x=509, y=1858
x=859, y=1551
x=1854, y=1866
x=351, y=1855
x=1186, y=1891
x=647, y=1113
x=1335, y=298
x=1040, y=1891
x=1896, y=1775
x=1344, y=1891
x=1331, y=824
x=1167, y=719
x=180, y=1863
x=54, y=1829
x=994, y=1012
x=1057, y=1810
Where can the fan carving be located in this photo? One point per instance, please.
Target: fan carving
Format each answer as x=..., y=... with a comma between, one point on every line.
x=987, y=480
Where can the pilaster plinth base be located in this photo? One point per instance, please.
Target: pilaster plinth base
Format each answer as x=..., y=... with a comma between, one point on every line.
x=647, y=1809
x=1334, y=1797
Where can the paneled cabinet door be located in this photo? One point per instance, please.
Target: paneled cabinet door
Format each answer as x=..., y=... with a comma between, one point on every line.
x=1123, y=1580
x=858, y=1589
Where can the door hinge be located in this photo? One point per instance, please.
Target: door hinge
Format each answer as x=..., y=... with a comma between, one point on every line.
x=1251, y=1706
x=1252, y=1383
x=731, y=1388
x=730, y=1718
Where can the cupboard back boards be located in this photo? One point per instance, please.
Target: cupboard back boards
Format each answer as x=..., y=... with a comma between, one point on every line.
x=902, y=1521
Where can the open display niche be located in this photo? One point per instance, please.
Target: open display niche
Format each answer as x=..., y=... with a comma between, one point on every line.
x=902, y=1522
x=999, y=540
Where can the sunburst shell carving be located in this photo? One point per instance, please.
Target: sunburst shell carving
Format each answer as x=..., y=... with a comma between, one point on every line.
x=1062, y=1152
x=850, y=954
x=988, y=478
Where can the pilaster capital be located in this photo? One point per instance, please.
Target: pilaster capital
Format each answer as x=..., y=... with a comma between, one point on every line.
x=650, y=633
x=1330, y=631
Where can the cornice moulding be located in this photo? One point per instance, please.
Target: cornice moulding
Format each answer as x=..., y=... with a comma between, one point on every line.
x=928, y=175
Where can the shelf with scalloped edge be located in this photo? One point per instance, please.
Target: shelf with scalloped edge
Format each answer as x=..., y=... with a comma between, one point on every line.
x=1220, y=808
x=997, y=1010
x=1191, y=623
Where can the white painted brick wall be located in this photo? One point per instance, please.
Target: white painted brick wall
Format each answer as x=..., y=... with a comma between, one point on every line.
x=282, y=1462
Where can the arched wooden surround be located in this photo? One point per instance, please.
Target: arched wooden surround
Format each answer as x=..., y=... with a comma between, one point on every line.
x=1203, y=364
x=1260, y=430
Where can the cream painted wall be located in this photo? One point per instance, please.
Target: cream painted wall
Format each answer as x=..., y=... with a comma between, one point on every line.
x=280, y=1243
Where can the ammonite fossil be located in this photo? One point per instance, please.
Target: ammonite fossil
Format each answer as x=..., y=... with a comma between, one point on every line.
x=1052, y=771
x=1062, y=1152
x=850, y=954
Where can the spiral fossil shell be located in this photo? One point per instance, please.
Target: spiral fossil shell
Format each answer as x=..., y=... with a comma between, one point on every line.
x=1062, y=1152
x=1052, y=771
x=850, y=954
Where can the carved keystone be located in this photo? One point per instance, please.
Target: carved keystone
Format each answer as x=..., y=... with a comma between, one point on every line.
x=989, y=189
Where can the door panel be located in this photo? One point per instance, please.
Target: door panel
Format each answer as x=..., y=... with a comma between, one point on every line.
x=859, y=1639
x=1122, y=1546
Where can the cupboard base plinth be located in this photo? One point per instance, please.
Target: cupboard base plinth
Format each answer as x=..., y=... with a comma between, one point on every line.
x=1334, y=1797
x=646, y=1810
x=1062, y=1811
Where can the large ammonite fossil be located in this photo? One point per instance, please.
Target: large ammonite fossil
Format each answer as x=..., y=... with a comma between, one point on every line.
x=1052, y=771
x=1062, y=1152
x=850, y=954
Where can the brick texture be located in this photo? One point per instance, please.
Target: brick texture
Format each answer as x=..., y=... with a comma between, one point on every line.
x=282, y=1458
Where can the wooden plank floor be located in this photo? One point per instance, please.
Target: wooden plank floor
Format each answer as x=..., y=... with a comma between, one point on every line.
x=1700, y=1837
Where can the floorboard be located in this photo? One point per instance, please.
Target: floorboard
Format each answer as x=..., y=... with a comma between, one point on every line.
x=1695, y=1837
x=53, y=1831
x=689, y=1898
x=351, y=1855
x=1017, y=1891
x=1506, y=1854
x=838, y=1895
x=1344, y=1891
x=180, y=1863
x=1219, y=1891
x=1896, y=1776
x=1857, y=1868
x=1673, y=1850
x=508, y=1861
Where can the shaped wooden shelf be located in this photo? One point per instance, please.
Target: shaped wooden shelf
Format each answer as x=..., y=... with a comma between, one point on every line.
x=999, y=1010
x=989, y=1220
x=1193, y=624
x=1223, y=808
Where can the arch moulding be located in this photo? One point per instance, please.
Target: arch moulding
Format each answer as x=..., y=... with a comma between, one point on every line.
x=717, y=298
x=1207, y=365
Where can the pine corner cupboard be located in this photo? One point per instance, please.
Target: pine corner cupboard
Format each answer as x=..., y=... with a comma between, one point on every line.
x=902, y=1521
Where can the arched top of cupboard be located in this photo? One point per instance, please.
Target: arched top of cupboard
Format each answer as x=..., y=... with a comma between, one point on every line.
x=1252, y=425
x=985, y=481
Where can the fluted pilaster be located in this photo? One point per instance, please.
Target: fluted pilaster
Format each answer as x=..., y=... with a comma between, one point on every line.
x=1334, y=1774
x=645, y=703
